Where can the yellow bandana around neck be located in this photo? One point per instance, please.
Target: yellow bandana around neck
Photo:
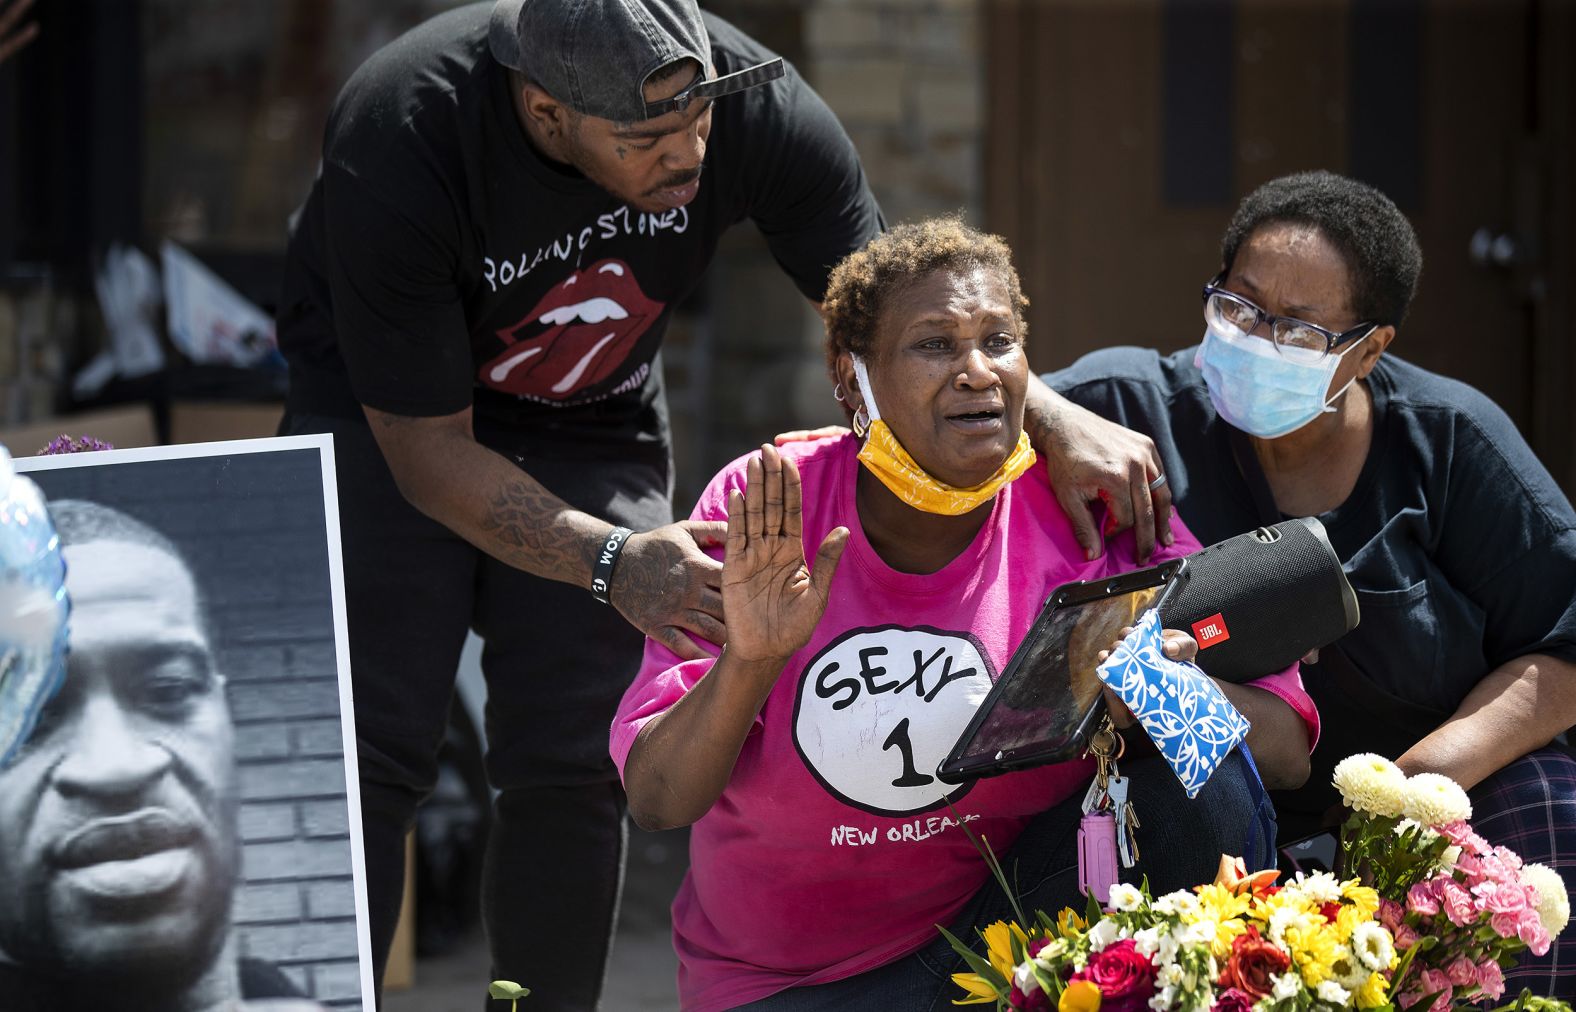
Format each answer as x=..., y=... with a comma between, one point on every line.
x=885, y=457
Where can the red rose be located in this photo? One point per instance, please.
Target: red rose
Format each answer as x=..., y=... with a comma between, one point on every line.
x=1233, y=1000
x=1125, y=978
x=1254, y=960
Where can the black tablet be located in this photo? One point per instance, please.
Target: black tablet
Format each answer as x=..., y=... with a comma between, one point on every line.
x=1047, y=703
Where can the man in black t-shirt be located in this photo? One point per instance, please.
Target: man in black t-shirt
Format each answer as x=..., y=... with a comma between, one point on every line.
x=512, y=199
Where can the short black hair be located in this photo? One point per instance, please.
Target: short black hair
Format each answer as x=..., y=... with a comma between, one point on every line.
x=1373, y=236
x=81, y=521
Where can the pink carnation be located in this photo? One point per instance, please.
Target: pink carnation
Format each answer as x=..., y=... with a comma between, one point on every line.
x=1406, y=936
x=1390, y=913
x=1490, y=979
x=1460, y=833
x=1508, y=857
x=1461, y=972
x=1457, y=903
x=1506, y=925
x=1495, y=870
x=1423, y=898
x=1471, y=866
x=1433, y=982
x=1503, y=897
x=1532, y=933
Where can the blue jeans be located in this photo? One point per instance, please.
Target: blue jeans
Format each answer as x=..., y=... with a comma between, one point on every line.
x=1180, y=843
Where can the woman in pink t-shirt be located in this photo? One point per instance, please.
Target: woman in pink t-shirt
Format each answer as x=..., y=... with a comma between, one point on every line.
x=824, y=852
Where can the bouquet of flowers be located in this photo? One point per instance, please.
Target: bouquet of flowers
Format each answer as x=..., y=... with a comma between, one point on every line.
x=1423, y=915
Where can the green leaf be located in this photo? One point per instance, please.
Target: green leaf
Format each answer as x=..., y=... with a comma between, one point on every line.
x=1015, y=947
x=507, y=989
x=979, y=964
x=1092, y=910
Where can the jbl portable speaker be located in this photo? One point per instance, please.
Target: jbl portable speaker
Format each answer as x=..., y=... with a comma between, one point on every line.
x=1261, y=600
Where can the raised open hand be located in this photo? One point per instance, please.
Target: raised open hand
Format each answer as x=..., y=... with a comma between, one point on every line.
x=772, y=599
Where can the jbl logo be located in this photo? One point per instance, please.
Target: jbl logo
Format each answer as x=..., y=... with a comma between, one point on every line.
x=1212, y=630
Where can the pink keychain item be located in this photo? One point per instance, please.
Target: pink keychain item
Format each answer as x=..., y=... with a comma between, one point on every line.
x=1097, y=869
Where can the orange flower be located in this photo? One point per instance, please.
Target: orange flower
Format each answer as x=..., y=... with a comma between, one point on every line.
x=1233, y=876
x=1080, y=996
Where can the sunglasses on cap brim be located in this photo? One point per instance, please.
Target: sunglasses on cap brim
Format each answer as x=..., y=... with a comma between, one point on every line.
x=716, y=87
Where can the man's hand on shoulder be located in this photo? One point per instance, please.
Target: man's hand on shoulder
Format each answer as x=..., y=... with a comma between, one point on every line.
x=1092, y=459
x=668, y=588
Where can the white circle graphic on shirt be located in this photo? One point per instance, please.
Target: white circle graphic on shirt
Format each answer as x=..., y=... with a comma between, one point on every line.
x=879, y=709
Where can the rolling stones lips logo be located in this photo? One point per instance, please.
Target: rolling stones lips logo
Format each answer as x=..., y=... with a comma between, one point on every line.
x=591, y=322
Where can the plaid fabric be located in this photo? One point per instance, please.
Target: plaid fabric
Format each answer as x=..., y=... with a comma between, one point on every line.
x=1530, y=807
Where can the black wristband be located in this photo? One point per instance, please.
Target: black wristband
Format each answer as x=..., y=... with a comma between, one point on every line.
x=606, y=559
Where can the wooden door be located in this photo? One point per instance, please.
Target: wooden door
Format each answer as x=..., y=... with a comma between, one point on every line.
x=1123, y=134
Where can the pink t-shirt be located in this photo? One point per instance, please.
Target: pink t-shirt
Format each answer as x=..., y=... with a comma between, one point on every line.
x=832, y=850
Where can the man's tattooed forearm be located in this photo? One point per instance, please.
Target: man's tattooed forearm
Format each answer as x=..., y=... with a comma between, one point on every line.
x=523, y=515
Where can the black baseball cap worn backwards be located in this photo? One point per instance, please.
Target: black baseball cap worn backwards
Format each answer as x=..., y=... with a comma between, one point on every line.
x=596, y=55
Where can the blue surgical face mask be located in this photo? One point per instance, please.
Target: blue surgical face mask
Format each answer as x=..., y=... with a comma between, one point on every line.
x=1263, y=391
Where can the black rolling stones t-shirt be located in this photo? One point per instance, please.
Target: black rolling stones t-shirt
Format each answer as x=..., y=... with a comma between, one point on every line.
x=439, y=262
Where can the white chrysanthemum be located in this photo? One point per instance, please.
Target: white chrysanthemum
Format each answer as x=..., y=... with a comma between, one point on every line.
x=1434, y=800
x=1335, y=994
x=1180, y=903
x=1124, y=897
x=1321, y=887
x=1554, y=903
x=1371, y=783
x=1373, y=945
x=1286, y=986
x=1103, y=933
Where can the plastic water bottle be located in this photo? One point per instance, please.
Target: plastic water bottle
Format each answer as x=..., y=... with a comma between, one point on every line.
x=33, y=608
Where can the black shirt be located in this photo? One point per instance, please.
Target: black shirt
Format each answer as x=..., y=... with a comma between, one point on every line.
x=1460, y=546
x=440, y=262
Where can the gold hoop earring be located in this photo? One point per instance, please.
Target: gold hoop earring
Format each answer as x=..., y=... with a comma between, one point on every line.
x=861, y=421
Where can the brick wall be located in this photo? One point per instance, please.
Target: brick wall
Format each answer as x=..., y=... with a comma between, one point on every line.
x=252, y=527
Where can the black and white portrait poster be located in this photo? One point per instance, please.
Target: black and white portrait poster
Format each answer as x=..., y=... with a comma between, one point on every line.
x=181, y=829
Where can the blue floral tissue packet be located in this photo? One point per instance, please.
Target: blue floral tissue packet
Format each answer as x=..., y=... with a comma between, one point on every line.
x=1191, y=721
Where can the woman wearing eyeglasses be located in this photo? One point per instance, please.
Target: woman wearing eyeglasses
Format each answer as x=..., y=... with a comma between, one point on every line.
x=1460, y=546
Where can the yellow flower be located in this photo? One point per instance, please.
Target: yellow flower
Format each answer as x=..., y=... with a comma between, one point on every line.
x=1373, y=993
x=1221, y=903
x=998, y=946
x=1364, y=898
x=1069, y=924
x=980, y=990
x=1315, y=951
x=1079, y=996
x=1346, y=921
